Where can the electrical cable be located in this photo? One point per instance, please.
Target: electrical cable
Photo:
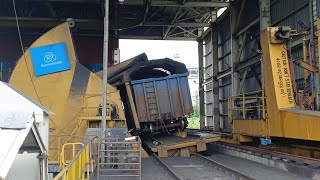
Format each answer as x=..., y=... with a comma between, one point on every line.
x=25, y=60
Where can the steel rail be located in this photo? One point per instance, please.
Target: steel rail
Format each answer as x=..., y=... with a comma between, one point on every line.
x=222, y=167
x=167, y=168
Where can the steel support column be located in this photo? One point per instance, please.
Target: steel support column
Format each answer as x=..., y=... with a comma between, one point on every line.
x=313, y=8
x=201, y=87
x=105, y=68
x=215, y=81
x=265, y=21
x=235, y=79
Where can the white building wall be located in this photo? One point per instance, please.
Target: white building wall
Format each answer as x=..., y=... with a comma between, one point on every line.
x=25, y=167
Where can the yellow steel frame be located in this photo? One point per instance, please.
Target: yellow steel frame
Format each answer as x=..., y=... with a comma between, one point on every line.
x=197, y=145
x=80, y=166
x=87, y=115
x=243, y=108
x=283, y=119
x=242, y=124
x=62, y=92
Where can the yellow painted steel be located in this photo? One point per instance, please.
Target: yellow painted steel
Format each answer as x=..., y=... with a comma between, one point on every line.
x=65, y=148
x=242, y=124
x=132, y=106
x=64, y=92
x=252, y=127
x=284, y=120
x=278, y=85
x=243, y=109
x=81, y=165
x=196, y=145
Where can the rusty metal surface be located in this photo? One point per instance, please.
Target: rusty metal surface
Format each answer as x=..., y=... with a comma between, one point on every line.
x=162, y=98
x=116, y=70
x=159, y=89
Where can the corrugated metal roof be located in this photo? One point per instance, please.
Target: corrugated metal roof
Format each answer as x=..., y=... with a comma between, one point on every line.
x=14, y=119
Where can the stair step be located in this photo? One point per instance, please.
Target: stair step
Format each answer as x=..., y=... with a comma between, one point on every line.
x=119, y=175
x=121, y=156
x=119, y=150
x=104, y=169
x=118, y=163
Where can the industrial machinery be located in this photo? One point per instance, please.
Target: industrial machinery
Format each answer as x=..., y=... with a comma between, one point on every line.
x=49, y=73
x=274, y=113
x=155, y=93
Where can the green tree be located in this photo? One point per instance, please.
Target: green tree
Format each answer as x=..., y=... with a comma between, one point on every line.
x=193, y=120
x=196, y=109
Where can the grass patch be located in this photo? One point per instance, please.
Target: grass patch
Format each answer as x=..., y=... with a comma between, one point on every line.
x=193, y=123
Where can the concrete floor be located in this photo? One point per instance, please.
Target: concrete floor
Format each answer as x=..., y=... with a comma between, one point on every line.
x=152, y=171
x=253, y=169
x=192, y=168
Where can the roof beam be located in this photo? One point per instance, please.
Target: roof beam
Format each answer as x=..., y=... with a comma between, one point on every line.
x=157, y=38
x=34, y=22
x=172, y=22
x=176, y=24
x=67, y=1
x=176, y=4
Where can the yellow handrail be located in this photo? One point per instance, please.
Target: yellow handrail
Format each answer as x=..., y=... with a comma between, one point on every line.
x=80, y=166
x=63, y=159
x=243, y=108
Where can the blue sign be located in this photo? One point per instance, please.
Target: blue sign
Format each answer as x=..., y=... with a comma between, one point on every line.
x=50, y=59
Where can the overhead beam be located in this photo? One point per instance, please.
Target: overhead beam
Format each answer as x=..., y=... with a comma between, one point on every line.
x=146, y=12
x=248, y=26
x=34, y=22
x=158, y=38
x=172, y=22
x=177, y=4
x=68, y=1
x=176, y=24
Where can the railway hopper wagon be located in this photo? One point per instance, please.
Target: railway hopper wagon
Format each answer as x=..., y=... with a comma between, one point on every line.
x=155, y=93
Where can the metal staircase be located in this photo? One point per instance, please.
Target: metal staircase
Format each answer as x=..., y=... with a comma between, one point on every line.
x=119, y=159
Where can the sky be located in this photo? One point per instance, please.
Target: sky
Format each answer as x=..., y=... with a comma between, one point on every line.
x=182, y=51
x=156, y=49
x=187, y=51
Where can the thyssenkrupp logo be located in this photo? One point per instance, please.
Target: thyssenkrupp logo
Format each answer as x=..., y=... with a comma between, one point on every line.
x=49, y=57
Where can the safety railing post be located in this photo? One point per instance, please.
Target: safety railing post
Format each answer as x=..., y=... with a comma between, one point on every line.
x=78, y=166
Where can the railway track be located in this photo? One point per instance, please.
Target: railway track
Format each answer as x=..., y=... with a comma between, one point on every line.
x=197, y=167
x=222, y=167
x=166, y=168
x=294, y=158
